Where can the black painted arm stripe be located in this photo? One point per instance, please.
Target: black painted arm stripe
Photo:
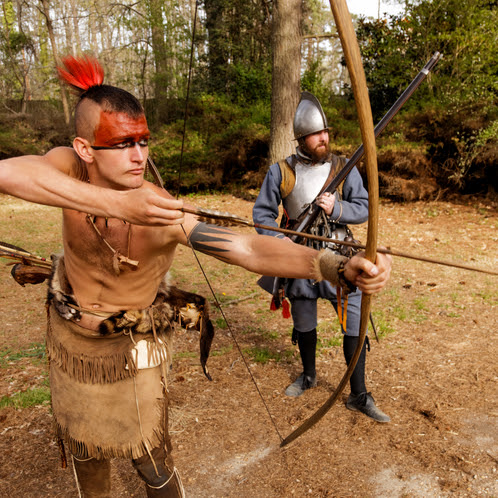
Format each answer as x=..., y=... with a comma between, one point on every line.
x=203, y=235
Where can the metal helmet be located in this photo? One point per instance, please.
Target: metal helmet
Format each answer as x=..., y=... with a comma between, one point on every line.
x=309, y=117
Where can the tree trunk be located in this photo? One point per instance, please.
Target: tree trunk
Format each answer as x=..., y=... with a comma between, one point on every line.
x=286, y=47
x=26, y=84
x=50, y=29
x=217, y=44
x=160, y=55
x=76, y=28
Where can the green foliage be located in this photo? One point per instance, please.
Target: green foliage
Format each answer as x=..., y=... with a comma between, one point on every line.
x=218, y=137
x=382, y=323
x=269, y=335
x=8, y=15
x=470, y=148
x=26, y=399
x=388, y=68
x=329, y=334
x=262, y=355
x=185, y=354
x=312, y=81
x=394, y=51
x=18, y=137
x=238, y=41
x=329, y=341
x=221, y=351
x=432, y=212
x=343, y=122
x=489, y=297
x=454, y=110
x=249, y=84
x=220, y=323
x=18, y=42
x=35, y=353
x=464, y=32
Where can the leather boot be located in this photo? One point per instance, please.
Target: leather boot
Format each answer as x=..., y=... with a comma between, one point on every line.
x=160, y=480
x=93, y=477
x=357, y=381
x=301, y=384
x=172, y=488
x=307, y=350
x=365, y=404
x=360, y=400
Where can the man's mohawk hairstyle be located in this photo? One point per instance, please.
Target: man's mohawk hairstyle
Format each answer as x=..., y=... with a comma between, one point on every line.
x=81, y=73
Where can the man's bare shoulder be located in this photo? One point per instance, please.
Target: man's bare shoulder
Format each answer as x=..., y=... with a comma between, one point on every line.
x=66, y=161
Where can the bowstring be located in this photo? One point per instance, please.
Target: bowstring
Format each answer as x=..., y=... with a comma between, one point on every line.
x=230, y=330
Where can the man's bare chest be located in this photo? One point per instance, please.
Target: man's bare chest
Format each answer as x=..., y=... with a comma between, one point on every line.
x=114, y=265
x=110, y=245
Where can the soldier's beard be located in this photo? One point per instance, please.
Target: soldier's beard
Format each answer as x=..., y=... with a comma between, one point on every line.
x=320, y=152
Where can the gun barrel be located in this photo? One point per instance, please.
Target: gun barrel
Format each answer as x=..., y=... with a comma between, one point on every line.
x=358, y=154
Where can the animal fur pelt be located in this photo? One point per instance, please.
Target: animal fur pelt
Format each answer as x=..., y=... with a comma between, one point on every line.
x=192, y=311
x=59, y=291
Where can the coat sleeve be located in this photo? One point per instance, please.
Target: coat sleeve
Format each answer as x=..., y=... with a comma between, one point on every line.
x=353, y=208
x=266, y=207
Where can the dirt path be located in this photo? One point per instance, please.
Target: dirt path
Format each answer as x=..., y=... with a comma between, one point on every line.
x=433, y=371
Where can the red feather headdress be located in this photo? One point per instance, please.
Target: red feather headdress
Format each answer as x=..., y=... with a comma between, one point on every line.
x=81, y=73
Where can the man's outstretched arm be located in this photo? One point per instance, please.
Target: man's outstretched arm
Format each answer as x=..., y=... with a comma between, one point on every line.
x=270, y=256
x=47, y=180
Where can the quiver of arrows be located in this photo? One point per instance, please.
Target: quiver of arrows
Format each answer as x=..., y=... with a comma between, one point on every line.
x=27, y=268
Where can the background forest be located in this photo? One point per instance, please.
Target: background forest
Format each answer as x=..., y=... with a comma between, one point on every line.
x=442, y=143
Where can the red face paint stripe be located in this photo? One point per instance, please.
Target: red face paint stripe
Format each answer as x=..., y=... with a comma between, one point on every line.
x=118, y=127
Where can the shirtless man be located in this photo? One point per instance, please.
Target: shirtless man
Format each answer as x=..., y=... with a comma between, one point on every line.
x=120, y=234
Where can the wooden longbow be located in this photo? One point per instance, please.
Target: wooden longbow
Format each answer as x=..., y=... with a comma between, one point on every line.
x=353, y=60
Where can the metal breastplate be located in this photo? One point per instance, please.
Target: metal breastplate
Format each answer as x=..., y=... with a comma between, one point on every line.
x=309, y=182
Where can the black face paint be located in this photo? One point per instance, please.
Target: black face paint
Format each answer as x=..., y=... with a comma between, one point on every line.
x=203, y=237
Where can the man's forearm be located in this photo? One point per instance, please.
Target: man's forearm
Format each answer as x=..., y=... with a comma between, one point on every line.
x=281, y=258
x=270, y=256
x=261, y=254
x=31, y=179
x=44, y=184
x=274, y=257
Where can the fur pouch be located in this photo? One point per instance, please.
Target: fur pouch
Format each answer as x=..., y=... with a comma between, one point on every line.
x=60, y=293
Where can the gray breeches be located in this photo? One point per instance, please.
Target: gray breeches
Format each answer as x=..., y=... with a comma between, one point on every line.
x=304, y=314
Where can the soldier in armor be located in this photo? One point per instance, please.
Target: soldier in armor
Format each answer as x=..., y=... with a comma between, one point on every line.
x=295, y=183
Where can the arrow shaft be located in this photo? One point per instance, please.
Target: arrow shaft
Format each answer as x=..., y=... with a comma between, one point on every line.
x=230, y=219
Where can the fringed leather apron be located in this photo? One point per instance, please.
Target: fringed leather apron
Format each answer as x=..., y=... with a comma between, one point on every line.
x=109, y=391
